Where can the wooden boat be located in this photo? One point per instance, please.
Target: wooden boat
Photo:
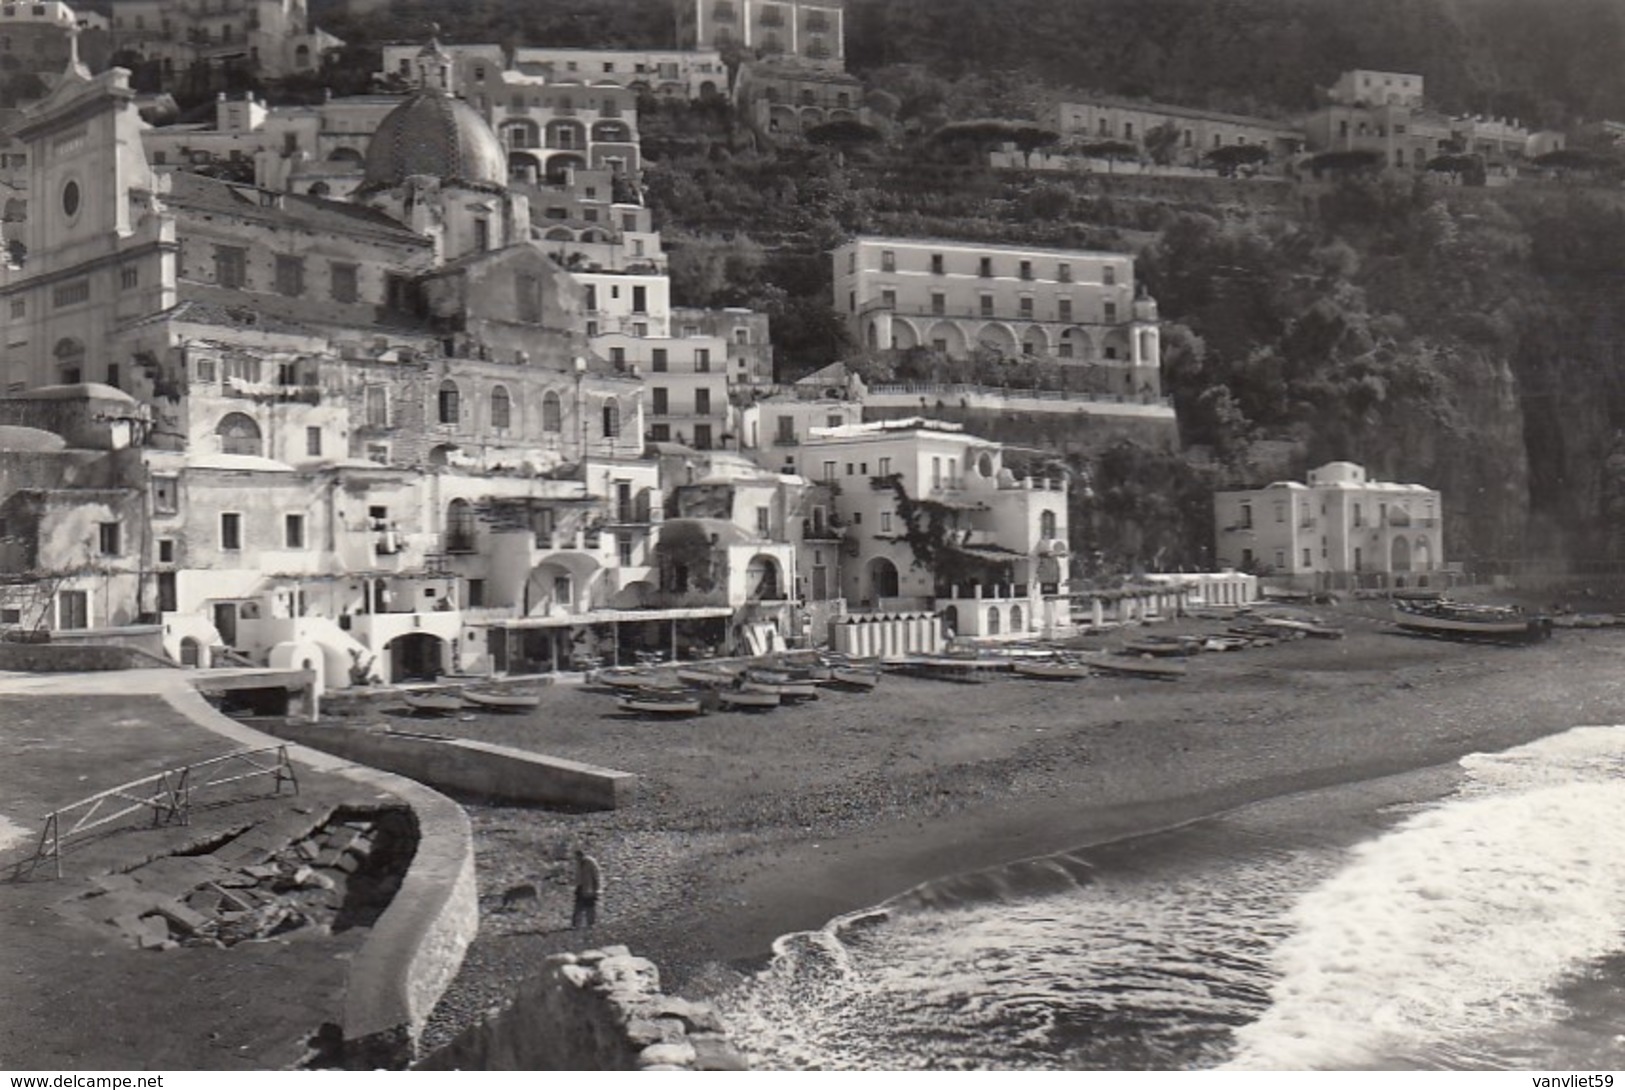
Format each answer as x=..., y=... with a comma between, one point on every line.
x=706, y=677
x=1308, y=628
x=1138, y=667
x=1444, y=619
x=747, y=700
x=1226, y=643
x=502, y=702
x=1161, y=645
x=852, y=679
x=784, y=690
x=1056, y=670
x=626, y=681
x=432, y=703
x=672, y=702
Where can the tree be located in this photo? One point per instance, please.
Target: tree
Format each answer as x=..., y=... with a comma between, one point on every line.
x=846, y=135
x=1230, y=158
x=1355, y=161
x=1458, y=166
x=1161, y=142
x=1109, y=150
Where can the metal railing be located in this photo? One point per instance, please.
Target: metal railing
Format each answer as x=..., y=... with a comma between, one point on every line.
x=168, y=794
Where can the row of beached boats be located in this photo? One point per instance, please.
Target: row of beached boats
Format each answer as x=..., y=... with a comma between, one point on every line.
x=751, y=687
x=449, y=703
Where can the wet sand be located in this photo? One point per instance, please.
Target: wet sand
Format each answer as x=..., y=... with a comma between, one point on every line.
x=749, y=827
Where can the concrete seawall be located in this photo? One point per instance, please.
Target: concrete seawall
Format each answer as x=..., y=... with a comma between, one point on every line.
x=475, y=768
x=417, y=946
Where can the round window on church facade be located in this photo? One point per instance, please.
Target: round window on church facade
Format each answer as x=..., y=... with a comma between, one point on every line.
x=70, y=199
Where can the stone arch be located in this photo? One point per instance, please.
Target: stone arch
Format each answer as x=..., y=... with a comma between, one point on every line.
x=345, y=154
x=612, y=131
x=1016, y=620
x=501, y=407
x=552, y=413
x=992, y=620
x=560, y=584
x=440, y=454
x=1075, y=344
x=524, y=166
x=1422, y=554
x=559, y=166
x=1038, y=337
x=522, y=133
x=596, y=234
x=566, y=134
x=1116, y=346
x=998, y=337
x=416, y=656
x=560, y=234
x=239, y=434
x=319, y=189
x=764, y=580
x=950, y=619
x=947, y=336
x=708, y=89
x=301, y=56
x=810, y=116
x=903, y=333
x=782, y=119
x=1400, y=555
x=883, y=578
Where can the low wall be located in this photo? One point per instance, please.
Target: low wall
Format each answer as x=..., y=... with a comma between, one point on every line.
x=600, y=1010
x=417, y=945
x=73, y=658
x=475, y=768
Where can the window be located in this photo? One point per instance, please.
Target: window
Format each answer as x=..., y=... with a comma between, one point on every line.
x=290, y=275
x=449, y=403
x=1063, y=310
x=1063, y=272
x=659, y=433
x=1108, y=275
x=129, y=276
x=378, y=452
x=231, y=531
x=165, y=495
x=1026, y=270
x=19, y=308
x=1307, y=557
x=702, y=437
x=1246, y=516
x=1110, y=311
x=230, y=266
x=985, y=267
x=660, y=400
x=702, y=360
x=987, y=305
x=885, y=522
x=377, y=406
x=939, y=303
x=552, y=413
x=166, y=550
x=342, y=280
x=888, y=298
x=640, y=299
x=313, y=442
x=888, y=261
x=293, y=531
x=617, y=357
x=70, y=294
x=702, y=402
x=501, y=408
x=527, y=289
x=239, y=434
x=764, y=524
x=936, y=264
x=657, y=359
x=612, y=418
x=73, y=609
x=829, y=471
x=476, y=593
x=1026, y=306
x=107, y=538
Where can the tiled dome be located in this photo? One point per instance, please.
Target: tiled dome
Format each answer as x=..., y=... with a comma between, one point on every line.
x=436, y=134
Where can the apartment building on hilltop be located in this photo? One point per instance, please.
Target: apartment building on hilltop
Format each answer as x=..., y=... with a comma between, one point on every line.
x=800, y=30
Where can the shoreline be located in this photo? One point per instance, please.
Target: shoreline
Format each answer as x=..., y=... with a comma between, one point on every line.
x=754, y=827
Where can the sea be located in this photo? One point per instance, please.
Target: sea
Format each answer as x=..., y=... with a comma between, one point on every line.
x=1468, y=917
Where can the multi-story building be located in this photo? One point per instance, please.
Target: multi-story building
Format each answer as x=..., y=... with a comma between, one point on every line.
x=935, y=519
x=749, y=347
x=668, y=73
x=40, y=37
x=1340, y=529
x=813, y=33
x=1192, y=134
x=267, y=39
x=787, y=98
x=1074, y=306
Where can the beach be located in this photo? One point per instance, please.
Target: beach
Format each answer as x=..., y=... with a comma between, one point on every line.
x=750, y=827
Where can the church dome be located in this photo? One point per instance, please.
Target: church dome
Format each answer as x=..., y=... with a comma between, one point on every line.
x=436, y=134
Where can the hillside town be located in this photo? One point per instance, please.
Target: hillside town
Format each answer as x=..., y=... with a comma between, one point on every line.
x=394, y=386
x=600, y=555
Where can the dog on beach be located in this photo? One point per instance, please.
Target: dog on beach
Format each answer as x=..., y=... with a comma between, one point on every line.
x=514, y=895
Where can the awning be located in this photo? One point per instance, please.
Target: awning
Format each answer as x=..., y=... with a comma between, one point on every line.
x=610, y=616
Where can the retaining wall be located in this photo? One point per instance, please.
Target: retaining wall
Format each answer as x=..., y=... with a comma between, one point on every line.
x=417, y=945
x=72, y=658
x=600, y=1010
x=475, y=768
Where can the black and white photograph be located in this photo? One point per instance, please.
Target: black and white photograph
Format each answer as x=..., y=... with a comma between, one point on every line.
x=811, y=536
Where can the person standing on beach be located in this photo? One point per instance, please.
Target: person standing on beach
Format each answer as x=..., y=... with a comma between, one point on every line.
x=589, y=880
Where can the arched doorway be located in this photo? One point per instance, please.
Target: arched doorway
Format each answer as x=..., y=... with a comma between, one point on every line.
x=1422, y=555
x=238, y=434
x=1400, y=555
x=950, y=621
x=992, y=620
x=191, y=652
x=416, y=656
x=998, y=337
x=763, y=581
x=883, y=581
x=1016, y=619
x=459, y=526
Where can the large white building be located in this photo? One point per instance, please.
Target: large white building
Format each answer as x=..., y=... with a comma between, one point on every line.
x=1340, y=529
x=1073, y=306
